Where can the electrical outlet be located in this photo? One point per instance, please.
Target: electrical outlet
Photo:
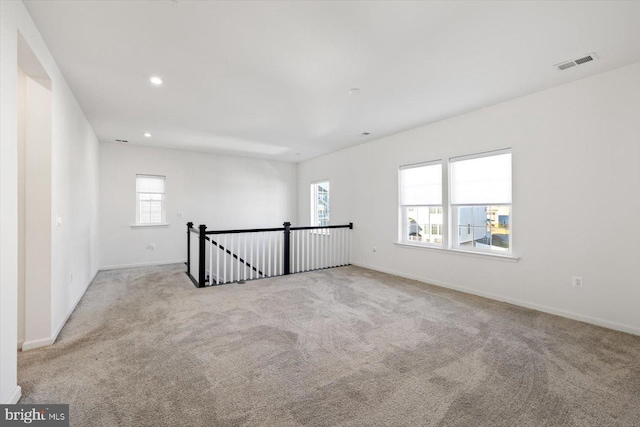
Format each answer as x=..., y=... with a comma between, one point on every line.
x=577, y=282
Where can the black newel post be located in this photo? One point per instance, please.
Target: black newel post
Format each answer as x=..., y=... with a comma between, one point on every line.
x=201, y=273
x=189, y=225
x=287, y=247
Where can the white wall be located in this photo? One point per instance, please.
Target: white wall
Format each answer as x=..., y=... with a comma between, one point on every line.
x=74, y=180
x=220, y=191
x=576, y=151
x=37, y=212
x=22, y=167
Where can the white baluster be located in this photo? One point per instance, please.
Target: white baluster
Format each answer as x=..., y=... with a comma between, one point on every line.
x=239, y=254
x=224, y=261
x=274, y=239
x=330, y=235
x=233, y=238
x=264, y=255
x=338, y=247
x=270, y=259
x=217, y=259
x=211, y=249
x=276, y=251
x=244, y=256
x=302, y=250
x=250, y=261
x=258, y=240
x=348, y=246
x=323, y=249
x=329, y=246
x=298, y=251
x=308, y=248
x=342, y=246
x=328, y=262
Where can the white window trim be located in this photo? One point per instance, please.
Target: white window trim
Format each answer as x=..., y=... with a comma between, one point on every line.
x=402, y=222
x=314, y=199
x=451, y=208
x=480, y=155
x=163, y=222
x=447, y=212
x=479, y=254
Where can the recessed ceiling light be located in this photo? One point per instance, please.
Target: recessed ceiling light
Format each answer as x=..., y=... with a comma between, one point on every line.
x=354, y=91
x=147, y=135
x=156, y=80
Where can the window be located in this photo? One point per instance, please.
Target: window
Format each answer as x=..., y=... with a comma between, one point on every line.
x=481, y=202
x=421, y=203
x=150, y=200
x=320, y=204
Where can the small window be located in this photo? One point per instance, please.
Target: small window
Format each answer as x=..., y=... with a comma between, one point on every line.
x=320, y=204
x=150, y=200
x=481, y=202
x=421, y=203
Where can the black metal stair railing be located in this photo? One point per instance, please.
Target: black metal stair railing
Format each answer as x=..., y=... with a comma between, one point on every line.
x=248, y=254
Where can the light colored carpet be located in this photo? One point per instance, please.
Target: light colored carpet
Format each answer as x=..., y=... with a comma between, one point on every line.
x=345, y=346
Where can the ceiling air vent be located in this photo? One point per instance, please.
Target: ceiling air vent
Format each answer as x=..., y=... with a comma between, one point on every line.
x=122, y=140
x=570, y=64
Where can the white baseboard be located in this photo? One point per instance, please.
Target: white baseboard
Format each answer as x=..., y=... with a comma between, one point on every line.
x=545, y=309
x=141, y=264
x=20, y=342
x=75, y=304
x=44, y=342
x=15, y=396
x=33, y=344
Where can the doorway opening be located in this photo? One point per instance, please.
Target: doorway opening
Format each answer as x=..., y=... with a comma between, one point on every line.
x=34, y=96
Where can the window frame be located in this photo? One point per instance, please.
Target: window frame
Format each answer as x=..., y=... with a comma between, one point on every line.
x=138, y=201
x=314, y=202
x=453, y=228
x=403, y=225
x=450, y=211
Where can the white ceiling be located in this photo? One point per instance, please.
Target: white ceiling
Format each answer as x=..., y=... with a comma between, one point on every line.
x=271, y=79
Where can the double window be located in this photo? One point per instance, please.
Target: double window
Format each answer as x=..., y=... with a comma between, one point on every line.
x=150, y=200
x=478, y=215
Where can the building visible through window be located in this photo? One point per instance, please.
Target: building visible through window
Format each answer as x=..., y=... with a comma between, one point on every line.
x=320, y=204
x=421, y=203
x=481, y=202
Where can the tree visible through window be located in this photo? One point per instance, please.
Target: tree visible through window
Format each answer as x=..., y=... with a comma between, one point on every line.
x=150, y=194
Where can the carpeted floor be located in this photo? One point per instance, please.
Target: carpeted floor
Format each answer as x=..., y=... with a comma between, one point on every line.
x=345, y=346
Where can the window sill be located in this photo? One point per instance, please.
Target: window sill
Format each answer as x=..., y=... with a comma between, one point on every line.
x=497, y=257
x=149, y=225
